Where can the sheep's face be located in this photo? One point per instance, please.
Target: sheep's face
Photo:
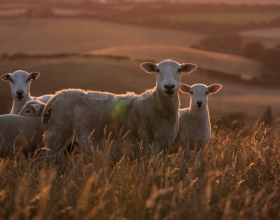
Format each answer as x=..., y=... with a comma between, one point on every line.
x=20, y=83
x=199, y=93
x=168, y=74
x=32, y=109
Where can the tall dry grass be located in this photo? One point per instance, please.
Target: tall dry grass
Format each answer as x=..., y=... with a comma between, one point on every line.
x=238, y=178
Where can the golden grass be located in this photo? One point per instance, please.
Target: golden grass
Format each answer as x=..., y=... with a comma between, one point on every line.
x=47, y=36
x=235, y=177
x=225, y=63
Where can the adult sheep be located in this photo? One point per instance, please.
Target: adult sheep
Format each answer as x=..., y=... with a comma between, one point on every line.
x=151, y=116
x=20, y=87
x=20, y=134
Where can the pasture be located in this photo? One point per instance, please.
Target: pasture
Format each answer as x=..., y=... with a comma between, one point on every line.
x=236, y=177
x=219, y=17
x=224, y=63
x=221, y=1
x=120, y=76
x=270, y=37
x=47, y=36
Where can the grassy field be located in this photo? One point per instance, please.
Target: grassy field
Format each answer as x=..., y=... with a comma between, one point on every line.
x=270, y=37
x=221, y=18
x=235, y=177
x=220, y=1
x=225, y=63
x=120, y=76
x=46, y=36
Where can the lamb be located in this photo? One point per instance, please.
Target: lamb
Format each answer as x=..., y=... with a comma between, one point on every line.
x=194, y=126
x=146, y=117
x=20, y=87
x=32, y=109
x=20, y=134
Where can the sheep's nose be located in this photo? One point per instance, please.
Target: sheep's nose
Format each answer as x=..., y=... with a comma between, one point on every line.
x=169, y=87
x=19, y=93
x=199, y=104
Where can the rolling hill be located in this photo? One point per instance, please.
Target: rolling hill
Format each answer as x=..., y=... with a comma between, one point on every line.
x=45, y=36
x=225, y=63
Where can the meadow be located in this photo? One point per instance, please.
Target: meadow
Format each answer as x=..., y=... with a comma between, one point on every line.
x=220, y=17
x=224, y=63
x=122, y=75
x=220, y=1
x=235, y=177
x=42, y=36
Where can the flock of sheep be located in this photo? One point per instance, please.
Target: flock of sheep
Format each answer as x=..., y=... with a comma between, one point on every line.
x=87, y=118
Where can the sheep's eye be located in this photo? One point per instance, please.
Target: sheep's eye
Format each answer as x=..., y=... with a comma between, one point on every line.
x=207, y=93
x=179, y=70
x=157, y=70
x=192, y=92
x=28, y=111
x=11, y=80
x=28, y=79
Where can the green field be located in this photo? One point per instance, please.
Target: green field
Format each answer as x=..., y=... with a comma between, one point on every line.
x=220, y=18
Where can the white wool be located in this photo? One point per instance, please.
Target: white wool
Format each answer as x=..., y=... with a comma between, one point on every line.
x=195, y=127
x=32, y=109
x=149, y=116
x=20, y=134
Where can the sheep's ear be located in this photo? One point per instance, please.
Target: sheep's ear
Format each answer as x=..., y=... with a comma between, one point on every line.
x=185, y=88
x=214, y=88
x=188, y=67
x=36, y=107
x=149, y=67
x=34, y=75
x=6, y=77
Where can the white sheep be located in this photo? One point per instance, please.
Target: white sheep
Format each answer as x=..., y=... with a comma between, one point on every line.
x=20, y=134
x=20, y=87
x=149, y=116
x=32, y=109
x=194, y=126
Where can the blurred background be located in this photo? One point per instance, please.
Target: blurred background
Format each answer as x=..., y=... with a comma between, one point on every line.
x=100, y=44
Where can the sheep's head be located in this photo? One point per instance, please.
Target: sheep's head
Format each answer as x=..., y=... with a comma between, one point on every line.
x=32, y=109
x=199, y=93
x=20, y=83
x=168, y=74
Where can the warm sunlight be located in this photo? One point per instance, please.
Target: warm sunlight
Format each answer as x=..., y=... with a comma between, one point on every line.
x=140, y=109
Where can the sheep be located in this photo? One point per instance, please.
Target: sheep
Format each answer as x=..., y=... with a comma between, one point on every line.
x=32, y=109
x=194, y=125
x=152, y=115
x=20, y=134
x=20, y=87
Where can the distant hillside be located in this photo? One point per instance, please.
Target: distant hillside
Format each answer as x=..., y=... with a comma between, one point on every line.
x=225, y=63
x=45, y=36
x=266, y=2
